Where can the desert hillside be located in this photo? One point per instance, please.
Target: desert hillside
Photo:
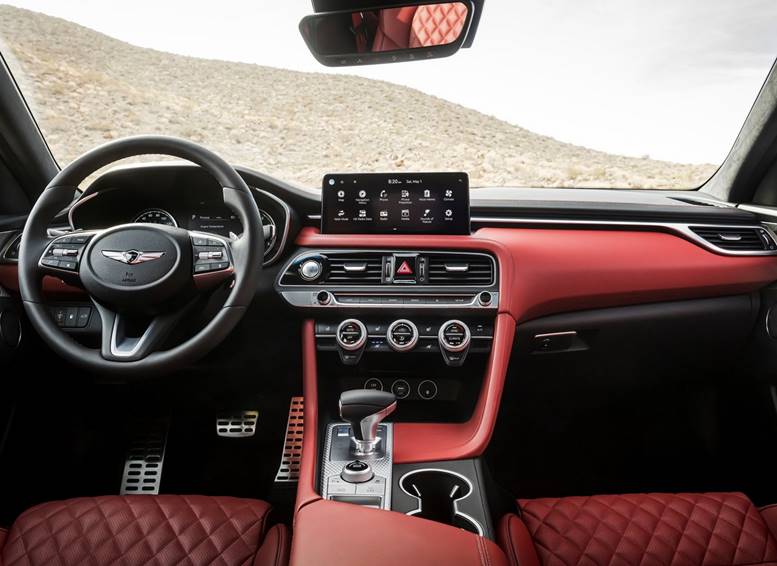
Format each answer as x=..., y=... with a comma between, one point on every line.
x=86, y=88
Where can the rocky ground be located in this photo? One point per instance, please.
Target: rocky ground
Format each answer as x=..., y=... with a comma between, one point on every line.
x=86, y=88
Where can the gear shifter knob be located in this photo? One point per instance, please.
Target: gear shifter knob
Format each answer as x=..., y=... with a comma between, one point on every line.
x=364, y=409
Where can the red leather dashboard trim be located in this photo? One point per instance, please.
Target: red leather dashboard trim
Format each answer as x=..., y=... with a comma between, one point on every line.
x=547, y=271
x=306, y=486
x=9, y=279
x=327, y=533
x=426, y=442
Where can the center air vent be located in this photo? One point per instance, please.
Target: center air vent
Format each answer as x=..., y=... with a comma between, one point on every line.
x=355, y=270
x=460, y=269
x=736, y=239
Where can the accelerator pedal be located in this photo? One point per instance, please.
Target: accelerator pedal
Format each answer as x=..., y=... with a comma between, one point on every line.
x=288, y=471
x=145, y=457
x=240, y=424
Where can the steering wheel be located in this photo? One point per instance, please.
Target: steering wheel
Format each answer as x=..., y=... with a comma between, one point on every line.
x=142, y=278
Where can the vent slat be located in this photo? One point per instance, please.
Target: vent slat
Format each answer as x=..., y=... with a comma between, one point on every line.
x=736, y=239
x=462, y=269
x=370, y=269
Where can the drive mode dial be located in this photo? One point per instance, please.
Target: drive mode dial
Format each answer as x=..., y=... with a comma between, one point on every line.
x=351, y=337
x=402, y=335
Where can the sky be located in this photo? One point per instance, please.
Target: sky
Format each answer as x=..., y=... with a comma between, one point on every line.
x=669, y=79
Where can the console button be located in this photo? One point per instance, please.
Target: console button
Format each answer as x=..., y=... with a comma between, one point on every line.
x=83, y=316
x=374, y=384
x=400, y=388
x=71, y=317
x=427, y=389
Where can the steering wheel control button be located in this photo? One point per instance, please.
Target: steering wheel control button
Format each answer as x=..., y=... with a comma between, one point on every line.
x=209, y=255
x=374, y=384
x=357, y=472
x=400, y=388
x=310, y=269
x=351, y=337
x=427, y=390
x=454, y=338
x=402, y=335
x=65, y=252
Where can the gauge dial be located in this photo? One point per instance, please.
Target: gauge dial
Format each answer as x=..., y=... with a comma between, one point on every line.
x=156, y=216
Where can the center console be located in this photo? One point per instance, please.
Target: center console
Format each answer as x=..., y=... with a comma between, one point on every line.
x=405, y=349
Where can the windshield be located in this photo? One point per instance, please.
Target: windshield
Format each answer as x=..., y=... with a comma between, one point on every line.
x=616, y=93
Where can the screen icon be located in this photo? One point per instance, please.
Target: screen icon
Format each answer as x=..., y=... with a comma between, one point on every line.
x=427, y=213
x=448, y=212
x=405, y=193
x=340, y=194
x=362, y=193
x=340, y=213
x=384, y=213
x=362, y=213
x=448, y=193
x=405, y=213
x=427, y=193
x=384, y=193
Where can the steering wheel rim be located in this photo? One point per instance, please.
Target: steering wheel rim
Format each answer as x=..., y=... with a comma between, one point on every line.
x=246, y=254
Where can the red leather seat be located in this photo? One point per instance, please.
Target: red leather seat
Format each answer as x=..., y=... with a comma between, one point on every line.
x=143, y=529
x=712, y=529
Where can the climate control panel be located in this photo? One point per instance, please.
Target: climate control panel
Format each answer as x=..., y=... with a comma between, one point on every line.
x=452, y=339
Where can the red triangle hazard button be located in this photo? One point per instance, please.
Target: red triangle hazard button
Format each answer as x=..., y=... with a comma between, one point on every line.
x=404, y=268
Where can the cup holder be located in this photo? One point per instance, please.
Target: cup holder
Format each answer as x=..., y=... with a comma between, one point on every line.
x=438, y=493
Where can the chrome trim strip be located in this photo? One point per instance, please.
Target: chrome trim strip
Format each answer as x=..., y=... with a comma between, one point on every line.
x=15, y=237
x=286, y=223
x=75, y=205
x=682, y=229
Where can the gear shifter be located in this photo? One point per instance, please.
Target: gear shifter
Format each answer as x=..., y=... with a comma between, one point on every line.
x=364, y=409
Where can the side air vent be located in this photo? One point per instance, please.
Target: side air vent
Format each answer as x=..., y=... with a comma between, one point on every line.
x=737, y=239
x=355, y=270
x=460, y=269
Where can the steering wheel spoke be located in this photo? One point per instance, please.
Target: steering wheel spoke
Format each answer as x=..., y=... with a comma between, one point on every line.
x=127, y=338
x=62, y=256
x=212, y=260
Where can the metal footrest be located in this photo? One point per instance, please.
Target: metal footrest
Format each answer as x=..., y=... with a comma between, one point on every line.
x=240, y=424
x=288, y=471
x=145, y=457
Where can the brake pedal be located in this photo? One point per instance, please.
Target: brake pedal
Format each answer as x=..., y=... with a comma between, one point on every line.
x=241, y=424
x=288, y=471
x=145, y=457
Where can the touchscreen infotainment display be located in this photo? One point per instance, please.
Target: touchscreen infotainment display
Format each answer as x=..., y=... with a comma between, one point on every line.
x=395, y=203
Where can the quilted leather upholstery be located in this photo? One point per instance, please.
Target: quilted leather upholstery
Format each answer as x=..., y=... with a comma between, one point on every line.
x=437, y=24
x=714, y=529
x=149, y=530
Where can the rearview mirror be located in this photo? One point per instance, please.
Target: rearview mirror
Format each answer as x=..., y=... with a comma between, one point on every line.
x=387, y=35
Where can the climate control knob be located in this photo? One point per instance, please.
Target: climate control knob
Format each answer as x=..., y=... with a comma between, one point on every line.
x=351, y=337
x=454, y=338
x=402, y=335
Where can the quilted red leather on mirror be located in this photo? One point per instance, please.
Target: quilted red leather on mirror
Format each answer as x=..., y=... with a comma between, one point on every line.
x=149, y=530
x=437, y=24
x=712, y=529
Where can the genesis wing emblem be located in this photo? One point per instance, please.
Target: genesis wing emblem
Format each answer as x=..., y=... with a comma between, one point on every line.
x=132, y=257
